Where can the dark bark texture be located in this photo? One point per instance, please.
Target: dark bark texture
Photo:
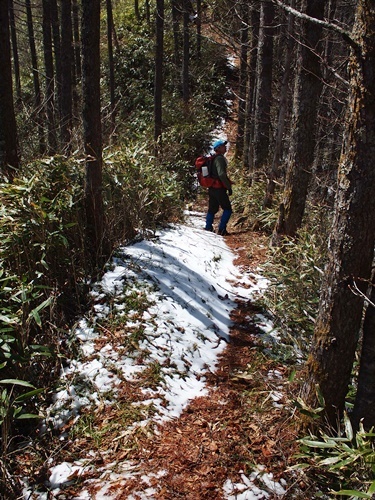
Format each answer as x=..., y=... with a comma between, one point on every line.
x=66, y=73
x=92, y=128
x=351, y=247
x=8, y=129
x=49, y=76
x=264, y=87
x=158, y=92
x=364, y=407
x=308, y=87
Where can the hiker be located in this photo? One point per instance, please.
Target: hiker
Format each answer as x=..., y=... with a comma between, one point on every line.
x=218, y=196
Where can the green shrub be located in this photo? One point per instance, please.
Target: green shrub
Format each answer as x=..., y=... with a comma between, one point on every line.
x=295, y=273
x=44, y=276
x=345, y=462
x=140, y=193
x=294, y=268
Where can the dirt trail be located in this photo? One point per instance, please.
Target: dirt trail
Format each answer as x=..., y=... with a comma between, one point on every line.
x=222, y=436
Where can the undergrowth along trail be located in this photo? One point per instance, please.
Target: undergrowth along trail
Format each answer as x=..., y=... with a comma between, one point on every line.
x=174, y=386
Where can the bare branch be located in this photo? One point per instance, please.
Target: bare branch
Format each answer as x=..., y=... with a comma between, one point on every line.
x=330, y=26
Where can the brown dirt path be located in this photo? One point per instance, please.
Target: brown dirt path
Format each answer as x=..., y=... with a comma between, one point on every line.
x=236, y=426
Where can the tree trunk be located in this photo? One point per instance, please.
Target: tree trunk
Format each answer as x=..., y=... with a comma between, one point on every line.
x=76, y=42
x=331, y=109
x=55, y=26
x=244, y=73
x=9, y=160
x=111, y=65
x=92, y=128
x=136, y=10
x=250, y=92
x=352, y=238
x=176, y=33
x=185, y=53
x=364, y=407
x=198, y=21
x=49, y=73
x=76, y=70
x=66, y=80
x=16, y=62
x=158, y=91
x=283, y=107
x=148, y=12
x=264, y=87
x=35, y=71
x=308, y=87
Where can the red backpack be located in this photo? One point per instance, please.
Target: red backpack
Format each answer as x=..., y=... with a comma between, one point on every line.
x=203, y=165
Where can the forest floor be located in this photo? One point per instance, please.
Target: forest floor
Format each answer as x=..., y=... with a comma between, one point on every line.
x=237, y=425
x=238, y=441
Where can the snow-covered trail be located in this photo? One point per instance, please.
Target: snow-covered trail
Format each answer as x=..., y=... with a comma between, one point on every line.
x=191, y=285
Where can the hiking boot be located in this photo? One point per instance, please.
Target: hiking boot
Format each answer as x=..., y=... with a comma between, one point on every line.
x=211, y=229
x=223, y=232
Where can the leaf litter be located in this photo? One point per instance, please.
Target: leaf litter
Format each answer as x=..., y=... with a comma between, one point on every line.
x=173, y=395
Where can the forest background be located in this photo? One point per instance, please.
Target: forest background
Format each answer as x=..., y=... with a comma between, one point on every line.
x=103, y=109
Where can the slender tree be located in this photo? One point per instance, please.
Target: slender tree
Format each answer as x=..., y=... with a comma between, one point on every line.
x=35, y=72
x=185, y=52
x=66, y=74
x=136, y=10
x=244, y=73
x=92, y=130
x=264, y=87
x=57, y=54
x=76, y=42
x=351, y=247
x=274, y=172
x=332, y=103
x=111, y=67
x=49, y=76
x=9, y=159
x=148, y=11
x=158, y=89
x=364, y=406
x=308, y=87
x=76, y=69
x=176, y=32
x=16, y=62
x=250, y=92
x=198, y=22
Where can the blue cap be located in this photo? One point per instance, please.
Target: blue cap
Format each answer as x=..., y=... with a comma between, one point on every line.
x=219, y=143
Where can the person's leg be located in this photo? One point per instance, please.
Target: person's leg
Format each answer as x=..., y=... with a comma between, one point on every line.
x=209, y=221
x=227, y=211
x=223, y=222
x=213, y=208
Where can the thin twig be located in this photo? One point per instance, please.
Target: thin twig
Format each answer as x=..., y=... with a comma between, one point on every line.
x=330, y=26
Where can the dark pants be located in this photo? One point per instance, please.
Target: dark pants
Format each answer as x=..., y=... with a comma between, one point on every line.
x=218, y=197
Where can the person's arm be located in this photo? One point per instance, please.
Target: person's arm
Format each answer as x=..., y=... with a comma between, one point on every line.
x=221, y=167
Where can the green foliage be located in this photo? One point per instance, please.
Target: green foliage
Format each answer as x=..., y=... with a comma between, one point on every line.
x=346, y=461
x=40, y=256
x=39, y=240
x=134, y=73
x=249, y=201
x=99, y=430
x=43, y=276
x=15, y=400
x=294, y=268
x=12, y=406
x=295, y=273
x=186, y=127
x=140, y=193
x=44, y=272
